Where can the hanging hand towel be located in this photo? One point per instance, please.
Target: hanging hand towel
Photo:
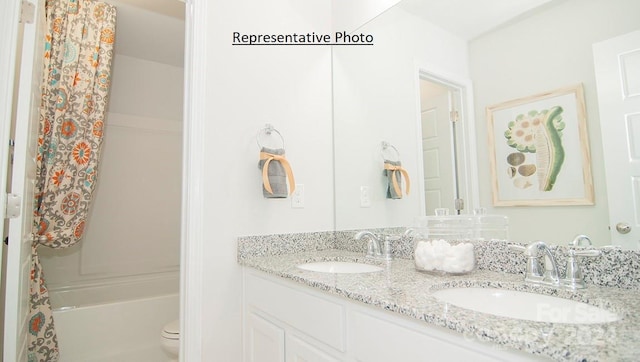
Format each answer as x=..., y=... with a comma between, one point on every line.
x=394, y=172
x=275, y=171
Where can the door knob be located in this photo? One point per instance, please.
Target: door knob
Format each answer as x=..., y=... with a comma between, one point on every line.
x=623, y=227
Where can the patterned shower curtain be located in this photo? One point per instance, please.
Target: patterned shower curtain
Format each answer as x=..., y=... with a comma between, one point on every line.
x=75, y=86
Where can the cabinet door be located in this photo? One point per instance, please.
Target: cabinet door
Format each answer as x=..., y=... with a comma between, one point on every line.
x=301, y=351
x=376, y=340
x=265, y=341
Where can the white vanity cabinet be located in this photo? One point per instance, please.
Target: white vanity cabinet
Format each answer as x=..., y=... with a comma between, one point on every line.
x=264, y=340
x=284, y=322
x=298, y=350
x=288, y=321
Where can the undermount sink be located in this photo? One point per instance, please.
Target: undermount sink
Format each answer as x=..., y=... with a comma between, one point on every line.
x=524, y=305
x=340, y=267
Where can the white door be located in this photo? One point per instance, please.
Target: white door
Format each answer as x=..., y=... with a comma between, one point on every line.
x=25, y=57
x=264, y=340
x=617, y=67
x=298, y=350
x=437, y=149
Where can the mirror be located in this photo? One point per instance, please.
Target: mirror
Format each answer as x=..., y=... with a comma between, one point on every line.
x=376, y=98
x=440, y=145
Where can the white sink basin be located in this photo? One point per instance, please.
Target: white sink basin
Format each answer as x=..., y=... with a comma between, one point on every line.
x=527, y=306
x=340, y=267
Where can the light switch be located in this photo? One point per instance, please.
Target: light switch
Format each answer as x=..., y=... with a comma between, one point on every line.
x=297, y=198
x=365, y=199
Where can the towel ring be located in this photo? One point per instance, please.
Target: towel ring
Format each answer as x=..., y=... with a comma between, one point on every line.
x=390, y=151
x=268, y=130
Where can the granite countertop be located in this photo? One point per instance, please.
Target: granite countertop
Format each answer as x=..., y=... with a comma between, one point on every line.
x=402, y=289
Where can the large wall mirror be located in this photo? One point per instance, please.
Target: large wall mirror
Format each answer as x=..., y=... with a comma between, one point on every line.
x=404, y=92
x=377, y=97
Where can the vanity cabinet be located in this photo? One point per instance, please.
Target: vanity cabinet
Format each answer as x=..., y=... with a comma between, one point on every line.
x=264, y=340
x=288, y=321
x=298, y=350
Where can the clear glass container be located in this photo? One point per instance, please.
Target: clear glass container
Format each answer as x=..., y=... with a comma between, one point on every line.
x=441, y=244
x=448, y=227
x=488, y=227
x=443, y=257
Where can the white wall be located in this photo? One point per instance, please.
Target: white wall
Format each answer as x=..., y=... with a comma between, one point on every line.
x=244, y=88
x=546, y=51
x=376, y=98
x=134, y=225
x=350, y=15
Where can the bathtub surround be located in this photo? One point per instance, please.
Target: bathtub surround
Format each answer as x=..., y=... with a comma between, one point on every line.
x=143, y=129
x=75, y=91
x=143, y=140
x=128, y=317
x=403, y=290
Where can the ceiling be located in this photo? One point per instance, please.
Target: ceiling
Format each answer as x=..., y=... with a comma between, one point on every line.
x=154, y=29
x=172, y=8
x=151, y=30
x=469, y=19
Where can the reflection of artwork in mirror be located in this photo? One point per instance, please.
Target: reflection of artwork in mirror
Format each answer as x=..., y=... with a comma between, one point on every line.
x=540, y=150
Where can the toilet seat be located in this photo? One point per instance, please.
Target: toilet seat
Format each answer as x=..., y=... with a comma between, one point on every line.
x=171, y=330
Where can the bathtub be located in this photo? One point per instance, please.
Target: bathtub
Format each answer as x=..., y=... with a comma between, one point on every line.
x=116, y=321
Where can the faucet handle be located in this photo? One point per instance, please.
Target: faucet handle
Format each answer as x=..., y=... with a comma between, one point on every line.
x=586, y=252
x=578, y=239
x=573, y=272
x=534, y=249
x=534, y=271
x=516, y=247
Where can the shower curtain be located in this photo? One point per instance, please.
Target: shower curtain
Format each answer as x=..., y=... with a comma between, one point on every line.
x=79, y=40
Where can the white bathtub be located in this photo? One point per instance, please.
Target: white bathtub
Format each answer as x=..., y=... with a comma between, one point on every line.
x=115, y=321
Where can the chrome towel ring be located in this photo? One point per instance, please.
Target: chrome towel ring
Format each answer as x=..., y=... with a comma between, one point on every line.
x=267, y=133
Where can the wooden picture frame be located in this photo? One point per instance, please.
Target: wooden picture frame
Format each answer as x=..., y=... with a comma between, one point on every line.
x=539, y=150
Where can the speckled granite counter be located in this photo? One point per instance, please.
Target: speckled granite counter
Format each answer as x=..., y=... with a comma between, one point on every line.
x=402, y=289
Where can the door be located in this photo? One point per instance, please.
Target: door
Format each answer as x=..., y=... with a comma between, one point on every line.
x=617, y=67
x=441, y=152
x=298, y=350
x=437, y=155
x=23, y=56
x=265, y=340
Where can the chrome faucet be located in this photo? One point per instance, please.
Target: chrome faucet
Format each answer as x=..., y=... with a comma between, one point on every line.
x=578, y=239
x=536, y=272
x=573, y=272
x=378, y=246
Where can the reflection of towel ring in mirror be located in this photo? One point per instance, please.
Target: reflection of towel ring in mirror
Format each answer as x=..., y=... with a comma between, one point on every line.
x=267, y=131
x=388, y=151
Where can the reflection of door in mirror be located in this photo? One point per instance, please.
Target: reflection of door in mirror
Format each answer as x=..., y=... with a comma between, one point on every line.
x=438, y=146
x=617, y=66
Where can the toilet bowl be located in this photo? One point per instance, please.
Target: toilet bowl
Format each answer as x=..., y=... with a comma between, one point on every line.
x=170, y=339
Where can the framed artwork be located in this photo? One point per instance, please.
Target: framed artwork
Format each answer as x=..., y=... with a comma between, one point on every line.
x=539, y=150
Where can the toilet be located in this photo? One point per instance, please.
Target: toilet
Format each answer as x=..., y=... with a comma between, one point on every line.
x=170, y=339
